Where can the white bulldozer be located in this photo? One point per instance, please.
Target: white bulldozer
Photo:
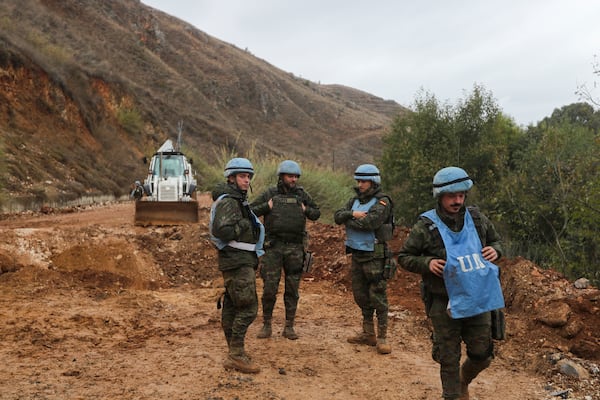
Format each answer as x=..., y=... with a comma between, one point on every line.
x=169, y=190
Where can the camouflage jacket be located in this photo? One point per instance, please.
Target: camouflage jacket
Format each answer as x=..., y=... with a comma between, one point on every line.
x=425, y=243
x=378, y=214
x=285, y=223
x=232, y=221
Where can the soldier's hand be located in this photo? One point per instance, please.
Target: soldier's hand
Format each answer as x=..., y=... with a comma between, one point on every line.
x=359, y=214
x=489, y=253
x=270, y=203
x=436, y=266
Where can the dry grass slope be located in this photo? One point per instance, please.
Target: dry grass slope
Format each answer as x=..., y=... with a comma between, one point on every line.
x=90, y=87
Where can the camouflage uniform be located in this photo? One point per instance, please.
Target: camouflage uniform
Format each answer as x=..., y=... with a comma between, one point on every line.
x=232, y=221
x=368, y=285
x=285, y=226
x=424, y=244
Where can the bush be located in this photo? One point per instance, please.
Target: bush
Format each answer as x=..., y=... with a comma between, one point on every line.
x=130, y=119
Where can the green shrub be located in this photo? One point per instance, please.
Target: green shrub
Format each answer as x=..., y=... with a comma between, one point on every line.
x=130, y=119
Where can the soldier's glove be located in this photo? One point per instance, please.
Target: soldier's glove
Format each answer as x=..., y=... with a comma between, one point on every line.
x=389, y=270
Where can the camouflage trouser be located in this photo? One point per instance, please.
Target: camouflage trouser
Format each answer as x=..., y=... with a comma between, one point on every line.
x=240, y=303
x=288, y=257
x=447, y=336
x=370, y=290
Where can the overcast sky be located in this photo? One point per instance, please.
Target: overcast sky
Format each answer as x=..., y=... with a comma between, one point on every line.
x=532, y=55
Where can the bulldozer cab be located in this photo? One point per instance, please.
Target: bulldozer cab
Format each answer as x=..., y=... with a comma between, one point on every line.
x=169, y=166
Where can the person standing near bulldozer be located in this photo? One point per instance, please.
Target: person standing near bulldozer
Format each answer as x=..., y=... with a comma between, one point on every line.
x=453, y=248
x=368, y=218
x=238, y=235
x=285, y=208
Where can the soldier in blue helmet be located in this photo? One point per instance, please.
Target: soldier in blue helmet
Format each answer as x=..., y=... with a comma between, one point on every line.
x=285, y=208
x=453, y=247
x=368, y=217
x=238, y=235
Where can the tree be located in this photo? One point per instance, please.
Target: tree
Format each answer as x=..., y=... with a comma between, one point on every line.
x=473, y=134
x=551, y=202
x=581, y=114
x=406, y=158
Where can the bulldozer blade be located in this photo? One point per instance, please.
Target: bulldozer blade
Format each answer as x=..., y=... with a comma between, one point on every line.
x=165, y=212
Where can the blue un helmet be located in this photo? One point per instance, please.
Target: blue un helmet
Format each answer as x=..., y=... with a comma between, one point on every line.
x=451, y=180
x=237, y=165
x=367, y=172
x=289, y=167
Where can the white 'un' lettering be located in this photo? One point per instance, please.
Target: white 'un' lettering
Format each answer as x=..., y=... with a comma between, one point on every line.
x=476, y=260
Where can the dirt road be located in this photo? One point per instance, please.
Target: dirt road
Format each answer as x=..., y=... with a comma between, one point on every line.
x=93, y=307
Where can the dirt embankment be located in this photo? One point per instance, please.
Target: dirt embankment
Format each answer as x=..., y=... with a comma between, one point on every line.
x=95, y=307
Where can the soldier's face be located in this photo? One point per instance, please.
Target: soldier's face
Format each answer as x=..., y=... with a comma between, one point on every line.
x=363, y=185
x=242, y=180
x=289, y=180
x=452, y=202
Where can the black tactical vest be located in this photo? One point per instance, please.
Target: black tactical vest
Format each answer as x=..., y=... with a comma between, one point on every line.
x=286, y=218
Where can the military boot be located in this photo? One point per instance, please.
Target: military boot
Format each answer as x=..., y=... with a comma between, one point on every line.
x=288, y=331
x=383, y=347
x=239, y=360
x=367, y=336
x=241, y=363
x=265, y=331
x=468, y=371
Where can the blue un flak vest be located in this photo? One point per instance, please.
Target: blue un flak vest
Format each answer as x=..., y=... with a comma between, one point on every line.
x=361, y=240
x=256, y=247
x=472, y=282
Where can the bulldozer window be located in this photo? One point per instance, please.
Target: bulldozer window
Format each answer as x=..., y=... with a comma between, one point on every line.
x=172, y=166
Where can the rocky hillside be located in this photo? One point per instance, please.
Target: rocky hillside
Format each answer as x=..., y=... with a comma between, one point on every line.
x=88, y=88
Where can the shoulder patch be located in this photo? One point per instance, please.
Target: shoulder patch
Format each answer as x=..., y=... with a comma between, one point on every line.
x=382, y=203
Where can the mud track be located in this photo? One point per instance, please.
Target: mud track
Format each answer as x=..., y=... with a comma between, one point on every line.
x=93, y=307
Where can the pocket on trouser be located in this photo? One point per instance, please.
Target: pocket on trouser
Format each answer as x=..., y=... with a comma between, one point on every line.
x=294, y=260
x=379, y=288
x=242, y=292
x=378, y=295
x=294, y=267
x=373, y=270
